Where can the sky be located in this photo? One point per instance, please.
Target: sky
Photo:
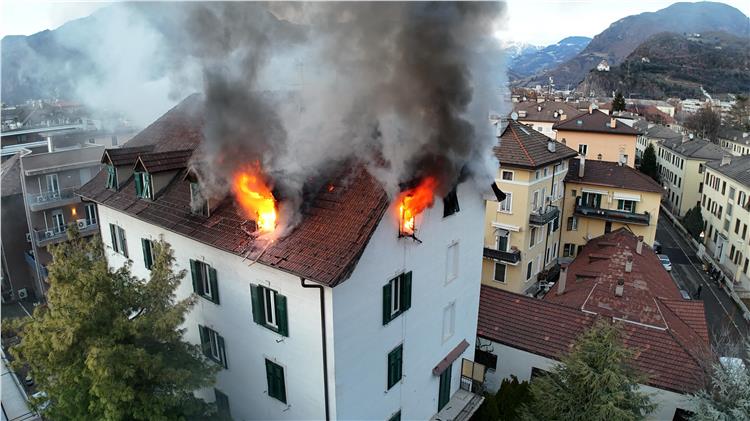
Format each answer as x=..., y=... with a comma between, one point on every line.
x=538, y=22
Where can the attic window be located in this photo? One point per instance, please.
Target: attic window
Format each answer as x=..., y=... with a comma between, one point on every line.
x=450, y=203
x=579, y=122
x=198, y=204
x=143, y=185
x=111, y=177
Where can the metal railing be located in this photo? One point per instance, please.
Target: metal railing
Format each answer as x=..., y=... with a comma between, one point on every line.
x=613, y=215
x=543, y=216
x=60, y=233
x=513, y=256
x=52, y=196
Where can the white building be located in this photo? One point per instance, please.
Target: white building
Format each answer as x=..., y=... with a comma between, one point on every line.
x=603, y=66
x=692, y=105
x=341, y=319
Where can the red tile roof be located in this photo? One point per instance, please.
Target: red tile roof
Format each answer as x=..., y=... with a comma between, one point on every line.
x=550, y=330
x=597, y=122
x=324, y=247
x=611, y=174
x=522, y=146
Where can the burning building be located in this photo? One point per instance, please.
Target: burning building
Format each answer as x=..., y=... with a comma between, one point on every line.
x=346, y=315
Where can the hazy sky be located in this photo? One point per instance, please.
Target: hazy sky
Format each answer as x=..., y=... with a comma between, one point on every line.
x=539, y=22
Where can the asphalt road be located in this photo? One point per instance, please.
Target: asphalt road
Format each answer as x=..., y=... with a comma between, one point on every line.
x=722, y=314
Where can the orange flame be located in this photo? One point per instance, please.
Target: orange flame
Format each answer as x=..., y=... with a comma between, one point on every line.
x=414, y=201
x=255, y=197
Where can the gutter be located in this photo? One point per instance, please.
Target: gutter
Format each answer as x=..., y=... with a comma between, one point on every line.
x=323, y=341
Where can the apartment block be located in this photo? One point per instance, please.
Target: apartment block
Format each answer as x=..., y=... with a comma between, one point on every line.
x=725, y=208
x=522, y=233
x=652, y=134
x=680, y=163
x=596, y=135
x=601, y=197
x=541, y=116
x=736, y=142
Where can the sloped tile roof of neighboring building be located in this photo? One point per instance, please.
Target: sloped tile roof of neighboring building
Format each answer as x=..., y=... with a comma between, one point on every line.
x=324, y=247
x=10, y=171
x=165, y=161
x=126, y=155
x=735, y=135
x=657, y=131
x=597, y=122
x=611, y=174
x=545, y=111
x=695, y=149
x=525, y=147
x=737, y=169
x=550, y=330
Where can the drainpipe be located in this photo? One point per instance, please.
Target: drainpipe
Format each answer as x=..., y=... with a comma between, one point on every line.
x=323, y=340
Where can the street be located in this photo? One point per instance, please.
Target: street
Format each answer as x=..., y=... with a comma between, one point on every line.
x=722, y=314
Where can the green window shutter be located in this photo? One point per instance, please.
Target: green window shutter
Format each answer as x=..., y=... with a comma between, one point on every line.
x=114, y=238
x=395, y=417
x=270, y=378
x=281, y=315
x=124, y=242
x=275, y=379
x=214, y=285
x=147, y=260
x=222, y=351
x=138, y=186
x=194, y=273
x=204, y=340
x=386, y=303
x=256, y=300
x=147, y=187
x=394, y=366
x=282, y=385
x=405, y=291
x=222, y=405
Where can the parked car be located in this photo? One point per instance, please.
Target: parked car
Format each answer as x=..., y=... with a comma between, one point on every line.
x=657, y=247
x=665, y=262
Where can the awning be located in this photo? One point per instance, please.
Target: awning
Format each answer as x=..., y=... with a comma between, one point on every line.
x=604, y=192
x=448, y=360
x=506, y=227
x=625, y=196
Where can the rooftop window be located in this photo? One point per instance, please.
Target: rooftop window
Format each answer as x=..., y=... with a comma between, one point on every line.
x=144, y=185
x=111, y=177
x=198, y=204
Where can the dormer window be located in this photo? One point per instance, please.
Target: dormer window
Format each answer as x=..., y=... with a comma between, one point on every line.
x=143, y=185
x=198, y=204
x=111, y=177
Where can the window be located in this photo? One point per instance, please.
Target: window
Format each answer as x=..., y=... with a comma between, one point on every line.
x=582, y=149
x=499, y=275
x=90, y=214
x=736, y=225
x=143, y=185
x=213, y=345
x=502, y=240
x=148, y=253
x=573, y=193
x=53, y=184
x=545, y=171
x=58, y=221
x=451, y=262
x=449, y=319
x=723, y=187
x=532, y=237
x=222, y=405
x=599, y=156
x=732, y=191
x=395, y=365
x=507, y=204
x=205, y=283
x=119, y=242
x=269, y=309
x=507, y=175
x=569, y=250
x=572, y=223
x=395, y=417
x=593, y=200
x=275, y=379
x=396, y=297
x=111, y=177
x=198, y=204
x=529, y=269
x=535, y=201
x=730, y=208
x=450, y=203
x=536, y=175
x=626, y=205
x=744, y=230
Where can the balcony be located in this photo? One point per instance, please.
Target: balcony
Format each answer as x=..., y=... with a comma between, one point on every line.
x=544, y=216
x=613, y=215
x=51, y=199
x=512, y=257
x=55, y=235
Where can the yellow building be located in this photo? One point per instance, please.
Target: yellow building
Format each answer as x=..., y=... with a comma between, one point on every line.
x=597, y=136
x=522, y=233
x=725, y=207
x=603, y=196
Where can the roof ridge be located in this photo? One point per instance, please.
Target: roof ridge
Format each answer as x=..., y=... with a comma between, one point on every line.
x=549, y=303
x=520, y=144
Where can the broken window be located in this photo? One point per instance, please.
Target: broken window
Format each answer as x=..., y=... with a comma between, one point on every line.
x=450, y=203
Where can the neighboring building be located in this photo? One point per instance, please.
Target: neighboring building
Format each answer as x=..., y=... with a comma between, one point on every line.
x=652, y=134
x=343, y=318
x=736, y=142
x=726, y=214
x=680, y=165
x=660, y=105
x=667, y=334
x=601, y=197
x=692, y=105
x=596, y=135
x=541, y=116
x=603, y=66
x=522, y=232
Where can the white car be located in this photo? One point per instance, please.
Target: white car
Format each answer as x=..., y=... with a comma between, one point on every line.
x=665, y=262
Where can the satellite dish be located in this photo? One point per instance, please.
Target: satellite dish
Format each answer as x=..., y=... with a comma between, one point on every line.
x=514, y=116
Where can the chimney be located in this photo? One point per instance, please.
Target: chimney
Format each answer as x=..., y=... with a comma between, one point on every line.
x=562, y=279
x=629, y=264
x=639, y=246
x=550, y=145
x=581, y=166
x=726, y=160
x=620, y=287
x=612, y=123
x=563, y=117
x=591, y=108
x=539, y=108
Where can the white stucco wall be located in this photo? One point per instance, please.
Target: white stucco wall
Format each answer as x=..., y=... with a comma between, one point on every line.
x=363, y=343
x=512, y=361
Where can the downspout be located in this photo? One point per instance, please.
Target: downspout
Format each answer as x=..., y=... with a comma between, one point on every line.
x=323, y=340
x=546, y=237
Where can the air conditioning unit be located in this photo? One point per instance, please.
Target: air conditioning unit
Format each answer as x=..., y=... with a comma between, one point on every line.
x=22, y=293
x=81, y=224
x=49, y=234
x=28, y=237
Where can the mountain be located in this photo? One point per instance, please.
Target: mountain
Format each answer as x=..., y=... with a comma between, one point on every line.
x=678, y=65
x=532, y=61
x=622, y=37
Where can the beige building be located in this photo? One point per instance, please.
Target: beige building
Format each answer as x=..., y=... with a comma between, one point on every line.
x=598, y=136
x=680, y=165
x=652, y=134
x=734, y=141
x=541, y=116
x=601, y=197
x=522, y=233
x=726, y=213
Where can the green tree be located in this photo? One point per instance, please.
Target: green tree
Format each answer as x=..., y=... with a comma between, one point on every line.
x=648, y=162
x=594, y=382
x=693, y=221
x=108, y=346
x=618, y=104
x=511, y=395
x=727, y=398
x=739, y=115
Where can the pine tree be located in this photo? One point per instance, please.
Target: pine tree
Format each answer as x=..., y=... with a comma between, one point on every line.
x=108, y=346
x=648, y=162
x=594, y=382
x=728, y=397
x=618, y=104
x=693, y=221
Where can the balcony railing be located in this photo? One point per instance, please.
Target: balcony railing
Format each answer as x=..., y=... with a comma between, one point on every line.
x=51, y=197
x=544, y=216
x=513, y=256
x=55, y=235
x=613, y=215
